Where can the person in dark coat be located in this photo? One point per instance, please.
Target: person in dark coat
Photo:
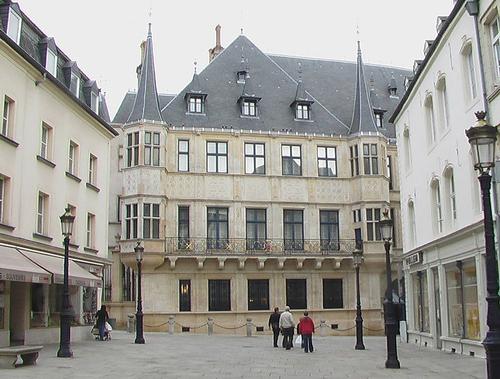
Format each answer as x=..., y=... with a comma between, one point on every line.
x=102, y=317
x=274, y=324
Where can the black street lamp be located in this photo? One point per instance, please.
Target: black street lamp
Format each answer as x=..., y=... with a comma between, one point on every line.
x=482, y=138
x=389, y=310
x=357, y=259
x=66, y=314
x=139, y=335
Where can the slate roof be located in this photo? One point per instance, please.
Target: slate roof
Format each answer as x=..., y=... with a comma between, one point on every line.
x=330, y=85
x=123, y=112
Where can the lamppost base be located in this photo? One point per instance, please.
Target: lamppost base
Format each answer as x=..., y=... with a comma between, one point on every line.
x=359, y=347
x=492, y=348
x=140, y=340
x=64, y=353
x=391, y=363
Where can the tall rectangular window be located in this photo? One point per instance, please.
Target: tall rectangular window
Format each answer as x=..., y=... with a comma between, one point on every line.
x=303, y=112
x=74, y=85
x=291, y=160
x=90, y=240
x=258, y=294
x=42, y=209
x=495, y=42
x=471, y=73
x=293, y=227
x=255, y=158
x=332, y=294
x=151, y=149
x=131, y=218
x=46, y=141
x=14, y=26
x=354, y=160
x=379, y=119
x=296, y=293
x=256, y=229
x=73, y=158
x=94, y=102
x=132, y=149
x=184, y=295
x=370, y=158
x=217, y=228
x=51, y=62
x=329, y=230
x=151, y=221
x=372, y=226
x=183, y=227
x=217, y=157
x=196, y=104
x=2, y=199
x=429, y=119
x=183, y=157
x=219, y=295
x=92, y=169
x=327, y=161
x=7, y=116
x=437, y=208
x=421, y=301
x=389, y=172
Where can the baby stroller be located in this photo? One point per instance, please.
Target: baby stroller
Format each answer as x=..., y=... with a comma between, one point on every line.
x=107, y=332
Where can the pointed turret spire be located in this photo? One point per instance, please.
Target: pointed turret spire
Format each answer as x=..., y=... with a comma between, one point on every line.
x=146, y=104
x=195, y=87
x=363, y=119
x=300, y=94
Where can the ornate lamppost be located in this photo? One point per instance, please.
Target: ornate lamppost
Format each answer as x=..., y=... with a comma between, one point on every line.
x=389, y=310
x=357, y=261
x=482, y=138
x=139, y=335
x=64, y=351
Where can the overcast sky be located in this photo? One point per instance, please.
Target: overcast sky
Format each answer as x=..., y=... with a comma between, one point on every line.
x=103, y=36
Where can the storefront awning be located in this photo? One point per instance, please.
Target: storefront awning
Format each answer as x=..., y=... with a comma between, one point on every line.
x=16, y=267
x=77, y=275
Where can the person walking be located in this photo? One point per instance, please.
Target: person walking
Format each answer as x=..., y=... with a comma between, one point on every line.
x=287, y=325
x=102, y=317
x=274, y=324
x=306, y=327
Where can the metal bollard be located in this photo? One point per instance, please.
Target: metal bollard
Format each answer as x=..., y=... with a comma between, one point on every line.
x=210, y=326
x=131, y=323
x=171, y=324
x=322, y=328
x=249, y=327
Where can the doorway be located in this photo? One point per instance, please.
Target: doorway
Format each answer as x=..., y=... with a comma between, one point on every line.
x=18, y=312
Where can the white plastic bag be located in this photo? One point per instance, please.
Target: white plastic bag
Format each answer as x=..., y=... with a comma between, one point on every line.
x=298, y=340
x=108, y=327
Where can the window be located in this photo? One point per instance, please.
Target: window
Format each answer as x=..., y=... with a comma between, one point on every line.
x=151, y=221
x=296, y=293
x=436, y=206
x=256, y=229
x=393, y=218
x=421, y=302
x=372, y=226
x=3, y=185
x=46, y=141
x=51, y=62
x=94, y=102
x=183, y=158
x=90, y=240
x=470, y=71
x=73, y=158
x=291, y=160
x=407, y=147
x=14, y=26
x=131, y=221
x=42, y=211
x=258, y=294
x=303, y=112
x=151, y=149
x=8, y=106
x=450, y=200
x=255, y=158
x=379, y=119
x=74, y=86
x=332, y=294
x=370, y=158
x=128, y=284
x=329, y=230
x=249, y=108
x=443, y=104
x=463, y=309
x=219, y=295
x=495, y=41
x=183, y=227
x=217, y=157
x=411, y=227
x=429, y=116
x=132, y=149
x=196, y=104
x=184, y=295
x=389, y=172
x=327, y=161
x=217, y=228
x=293, y=226
x=92, y=169
x=354, y=159
x=356, y=215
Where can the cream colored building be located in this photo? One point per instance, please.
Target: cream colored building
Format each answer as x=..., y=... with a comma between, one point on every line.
x=249, y=189
x=54, y=153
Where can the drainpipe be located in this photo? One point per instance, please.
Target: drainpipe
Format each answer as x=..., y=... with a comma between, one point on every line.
x=472, y=7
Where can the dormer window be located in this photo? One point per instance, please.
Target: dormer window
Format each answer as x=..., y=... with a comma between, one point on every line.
x=379, y=119
x=196, y=104
x=14, y=26
x=94, y=102
x=241, y=76
x=75, y=84
x=303, y=112
x=249, y=108
x=51, y=62
x=393, y=92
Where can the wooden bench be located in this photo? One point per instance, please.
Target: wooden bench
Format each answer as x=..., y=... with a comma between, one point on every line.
x=9, y=355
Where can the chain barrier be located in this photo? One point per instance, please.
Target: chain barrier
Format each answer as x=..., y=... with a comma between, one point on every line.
x=373, y=330
x=156, y=326
x=190, y=327
x=230, y=327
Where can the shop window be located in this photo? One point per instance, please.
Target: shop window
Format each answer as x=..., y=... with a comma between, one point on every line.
x=421, y=302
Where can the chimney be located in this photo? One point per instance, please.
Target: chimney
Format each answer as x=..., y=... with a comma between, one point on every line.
x=213, y=52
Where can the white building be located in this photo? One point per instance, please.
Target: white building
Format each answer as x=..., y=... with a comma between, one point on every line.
x=54, y=153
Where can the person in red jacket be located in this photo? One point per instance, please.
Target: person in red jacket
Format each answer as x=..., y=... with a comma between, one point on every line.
x=306, y=327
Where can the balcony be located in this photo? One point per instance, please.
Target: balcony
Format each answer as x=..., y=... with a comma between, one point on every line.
x=259, y=247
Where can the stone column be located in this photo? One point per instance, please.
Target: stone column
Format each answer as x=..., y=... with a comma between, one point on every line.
x=249, y=327
x=171, y=324
x=210, y=326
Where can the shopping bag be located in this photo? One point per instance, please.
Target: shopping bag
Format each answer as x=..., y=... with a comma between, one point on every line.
x=108, y=327
x=298, y=340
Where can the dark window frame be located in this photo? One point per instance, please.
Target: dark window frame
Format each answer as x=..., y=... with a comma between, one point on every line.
x=151, y=221
x=293, y=243
x=370, y=159
x=183, y=238
x=254, y=156
x=327, y=160
x=372, y=224
x=333, y=230
x=249, y=108
x=217, y=156
x=253, y=224
x=196, y=100
x=218, y=241
x=333, y=296
x=133, y=149
x=354, y=160
x=219, y=295
x=299, y=111
x=296, y=293
x=258, y=294
x=152, y=149
x=182, y=154
x=287, y=168
x=184, y=295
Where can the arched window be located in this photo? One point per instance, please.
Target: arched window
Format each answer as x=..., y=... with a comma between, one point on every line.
x=450, y=196
x=436, y=206
x=429, y=119
x=443, y=110
x=412, y=233
x=407, y=147
x=469, y=70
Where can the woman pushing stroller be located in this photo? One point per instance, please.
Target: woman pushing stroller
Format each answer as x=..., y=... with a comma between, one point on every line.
x=102, y=318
